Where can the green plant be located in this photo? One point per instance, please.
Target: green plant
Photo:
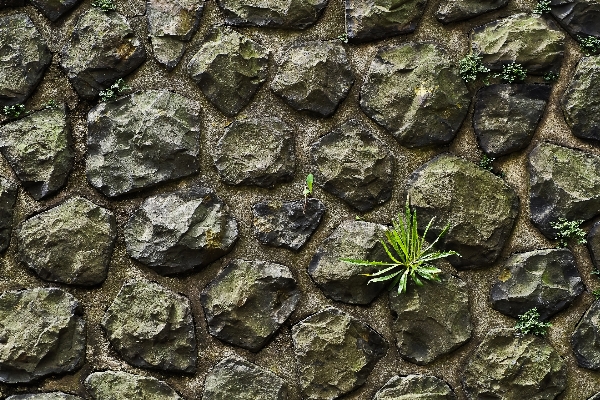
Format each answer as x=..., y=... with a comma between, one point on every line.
x=104, y=5
x=542, y=7
x=343, y=38
x=486, y=163
x=590, y=45
x=529, y=323
x=15, y=111
x=51, y=104
x=471, y=66
x=567, y=230
x=308, y=188
x=596, y=293
x=116, y=89
x=551, y=76
x=513, y=72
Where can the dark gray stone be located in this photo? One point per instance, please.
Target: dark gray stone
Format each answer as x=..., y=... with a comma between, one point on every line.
x=354, y=165
x=115, y=385
x=44, y=396
x=42, y=332
x=581, y=101
x=8, y=197
x=248, y=301
x=24, y=59
x=585, y=340
x=506, y=116
x=127, y=150
x=459, y=10
x=507, y=367
x=595, y=397
x=593, y=244
x=229, y=68
x=54, y=9
x=256, y=151
x=415, y=92
x=71, y=243
x=411, y=387
x=101, y=49
x=291, y=14
x=578, y=17
x=181, y=231
x=335, y=353
x=479, y=206
x=11, y=3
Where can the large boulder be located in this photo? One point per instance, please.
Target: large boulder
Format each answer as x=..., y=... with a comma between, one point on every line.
x=578, y=17
x=291, y=14
x=54, y=9
x=117, y=385
x=585, y=339
x=411, y=387
x=581, y=100
x=8, y=197
x=458, y=10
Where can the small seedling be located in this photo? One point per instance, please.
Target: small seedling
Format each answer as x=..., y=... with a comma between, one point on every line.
x=568, y=230
x=486, y=163
x=551, y=76
x=542, y=7
x=104, y=5
x=513, y=72
x=343, y=38
x=596, y=294
x=51, y=104
x=471, y=67
x=589, y=45
x=13, y=112
x=529, y=323
x=117, y=89
x=308, y=188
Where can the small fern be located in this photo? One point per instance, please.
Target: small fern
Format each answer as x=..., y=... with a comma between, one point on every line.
x=529, y=323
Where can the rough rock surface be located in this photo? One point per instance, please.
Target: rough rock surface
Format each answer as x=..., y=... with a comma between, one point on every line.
x=513, y=367
x=586, y=339
x=38, y=148
x=101, y=49
x=593, y=244
x=354, y=165
x=256, y=151
x=248, y=301
x=415, y=92
x=578, y=17
x=54, y=9
x=320, y=339
x=544, y=279
x=229, y=68
x=24, y=59
x=71, y=243
x=43, y=333
x=141, y=140
x=11, y=3
x=181, y=231
x=152, y=327
x=235, y=378
x=595, y=397
x=506, y=116
x=45, y=396
x=581, y=101
x=291, y=14
x=8, y=197
x=413, y=387
x=479, y=206
x=458, y=10
x=115, y=385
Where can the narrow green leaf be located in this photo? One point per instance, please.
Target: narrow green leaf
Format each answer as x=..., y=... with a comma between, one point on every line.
x=309, y=182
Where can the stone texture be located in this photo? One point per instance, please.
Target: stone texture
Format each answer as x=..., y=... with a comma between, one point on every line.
x=595, y=397
x=578, y=17
x=113, y=385
x=101, y=49
x=586, y=339
x=290, y=14
x=127, y=150
x=229, y=68
x=54, y=9
x=38, y=148
x=235, y=378
x=71, y=243
x=459, y=10
x=8, y=197
x=506, y=116
x=354, y=165
x=593, y=244
x=256, y=151
x=24, y=59
x=42, y=332
x=45, y=396
x=479, y=206
x=581, y=100
x=314, y=76
x=513, y=367
x=413, y=387
x=415, y=92
x=181, y=231
x=248, y=301
x=11, y=3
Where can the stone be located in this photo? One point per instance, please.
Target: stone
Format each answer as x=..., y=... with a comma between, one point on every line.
x=314, y=76
x=410, y=387
x=352, y=164
x=290, y=14
x=152, y=327
x=459, y=10
x=506, y=116
x=44, y=396
x=25, y=57
x=171, y=24
x=126, y=145
x=229, y=68
x=8, y=197
x=577, y=17
x=235, y=378
x=101, y=49
x=39, y=150
x=119, y=385
x=581, y=100
x=42, y=331
x=431, y=320
x=289, y=224
x=320, y=339
x=480, y=208
x=593, y=244
x=342, y=281
x=595, y=397
x=54, y=9
x=544, y=279
x=531, y=40
x=416, y=93
x=248, y=301
x=507, y=367
x=71, y=243
x=585, y=340
x=563, y=183
x=11, y=3
x=256, y=151
x=181, y=231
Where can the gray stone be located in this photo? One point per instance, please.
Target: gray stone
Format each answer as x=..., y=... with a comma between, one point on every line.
x=593, y=244
x=42, y=331
x=248, y=301
x=256, y=151
x=479, y=206
x=289, y=224
x=291, y=14
x=595, y=397
x=11, y=3
x=506, y=116
x=314, y=76
x=578, y=17
x=342, y=281
x=506, y=367
x=71, y=243
x=411, y=387
x=44, y=396
x=181, y=231
x=38, y=148
x=354, y=165
x=101, y=49
x=54, y=9
x=459, y=10
x=8, y=197
x=25, y=57
x=415, y=92
x=586, y=339
x=113, y=385
x=229, y=68
x=234, y=378
x=581, y=100
x=127, y=150
x=152, y=327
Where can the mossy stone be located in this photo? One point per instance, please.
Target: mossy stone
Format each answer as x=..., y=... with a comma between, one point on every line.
x=581, y=100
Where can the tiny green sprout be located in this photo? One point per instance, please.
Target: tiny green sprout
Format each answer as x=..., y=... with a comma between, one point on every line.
x=596, y=293
x=471, y=67
x=51, y=104
x=343, y=38
x=116, y=89
x=567, y=230
x=513, y=72
x=529, y=323
x=542, y=7
x=595, y=272
x=357, y=218
x=13, y=112
x=104, y=5
x=308, y=188
x=590, y=45
x=486, y=163
x=551, y=76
